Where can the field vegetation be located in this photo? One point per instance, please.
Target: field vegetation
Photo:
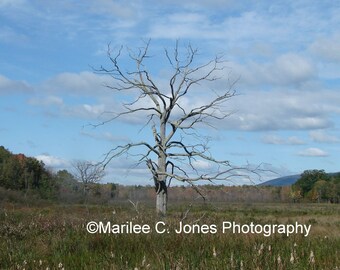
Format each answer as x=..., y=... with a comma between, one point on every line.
x=44, y=217
x=55, y=237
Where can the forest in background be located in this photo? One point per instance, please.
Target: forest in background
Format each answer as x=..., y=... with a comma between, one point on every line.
x=25, y=179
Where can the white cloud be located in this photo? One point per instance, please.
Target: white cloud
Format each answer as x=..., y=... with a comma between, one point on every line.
x=327, y=48
x=8, y=86
x=283, y=110
x=323, y=137
x=278, y=109
x=107, y=136
x=313, y=152
x=242, y=154
x=202, y=164
x=254, y=110
x=93, y=20
x=293, y=68
x=46, y=101
x=286, y=69
x=185, y=26
x=80, y=95
x=82, y=83
x=53, y=162
x=275, y=139
x=85, y=111
x=122, y=9
x=294, y=141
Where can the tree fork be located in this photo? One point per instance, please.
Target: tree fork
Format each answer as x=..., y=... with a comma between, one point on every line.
x=176, y=141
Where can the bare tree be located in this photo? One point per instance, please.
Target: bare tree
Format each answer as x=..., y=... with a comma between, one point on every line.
x=88, y=173
x=177, y=148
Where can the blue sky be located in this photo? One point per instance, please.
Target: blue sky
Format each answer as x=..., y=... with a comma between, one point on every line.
x=286, y=54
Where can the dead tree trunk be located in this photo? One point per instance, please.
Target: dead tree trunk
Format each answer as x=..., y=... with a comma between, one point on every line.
x=160, y=183
x=161, y=199
x=177, y=148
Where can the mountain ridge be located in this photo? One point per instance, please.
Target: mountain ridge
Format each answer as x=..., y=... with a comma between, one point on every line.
x=286, y=180
x=282, y=181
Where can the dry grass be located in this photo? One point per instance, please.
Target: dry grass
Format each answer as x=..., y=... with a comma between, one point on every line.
x=55, y=237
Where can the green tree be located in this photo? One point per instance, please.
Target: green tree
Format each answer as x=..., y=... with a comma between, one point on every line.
x=19, y=172
x=113, y=192
x=48, y=187
x=307, y=180
x=13, y=176
x=33, y=170
x=334, y=189
x=321, y=189
x=67, y=181
x=4, y=154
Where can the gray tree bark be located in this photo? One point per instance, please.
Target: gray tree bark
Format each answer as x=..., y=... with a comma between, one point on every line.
x=177, y=146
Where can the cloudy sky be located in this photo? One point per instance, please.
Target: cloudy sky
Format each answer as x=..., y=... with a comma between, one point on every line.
x=285, y=54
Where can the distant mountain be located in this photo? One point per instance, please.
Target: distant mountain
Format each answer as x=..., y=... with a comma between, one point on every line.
x=286, y=180
x=282, y=181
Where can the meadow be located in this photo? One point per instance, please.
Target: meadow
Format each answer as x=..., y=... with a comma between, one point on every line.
x=55, y=237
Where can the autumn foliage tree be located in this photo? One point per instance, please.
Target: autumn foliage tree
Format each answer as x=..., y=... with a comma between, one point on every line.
x=318, y=186
x=19, y=172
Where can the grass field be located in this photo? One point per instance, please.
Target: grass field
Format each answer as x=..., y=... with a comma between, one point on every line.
x=55, y=237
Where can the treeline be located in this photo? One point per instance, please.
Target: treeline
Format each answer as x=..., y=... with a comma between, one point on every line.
x=18, y=172
x=26, y=179
x=21, y=175
x=30, y=177
x=317, y=186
